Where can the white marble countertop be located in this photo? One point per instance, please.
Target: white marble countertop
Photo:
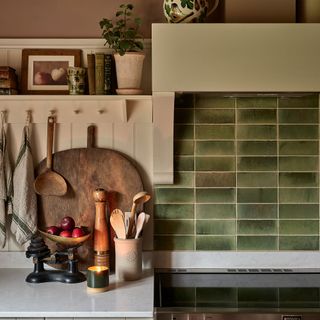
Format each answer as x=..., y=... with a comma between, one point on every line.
x=53, y=299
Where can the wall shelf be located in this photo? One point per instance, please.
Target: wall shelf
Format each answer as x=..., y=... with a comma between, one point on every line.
x=102, y=108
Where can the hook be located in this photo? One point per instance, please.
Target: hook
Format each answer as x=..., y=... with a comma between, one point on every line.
x=101, y=111
x=28, y=118
x=52, y=112
x=76, y=111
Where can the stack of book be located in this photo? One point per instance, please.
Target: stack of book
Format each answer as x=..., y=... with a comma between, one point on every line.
x=8, y=80
x=101, y=73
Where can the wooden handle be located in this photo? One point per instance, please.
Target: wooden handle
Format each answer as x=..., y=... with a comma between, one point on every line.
x=101, y=234
x=50, y=130
x=91, y=136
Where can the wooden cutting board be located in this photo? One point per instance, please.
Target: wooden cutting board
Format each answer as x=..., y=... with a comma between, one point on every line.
x=84, y=170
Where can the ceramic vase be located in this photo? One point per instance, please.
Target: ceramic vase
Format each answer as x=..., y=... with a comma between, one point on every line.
x=129, y=72
x=76, y=80
x=128, y=259
x=182, y=11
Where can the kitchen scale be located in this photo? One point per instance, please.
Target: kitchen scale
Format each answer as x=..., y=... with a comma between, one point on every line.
x=66, y=255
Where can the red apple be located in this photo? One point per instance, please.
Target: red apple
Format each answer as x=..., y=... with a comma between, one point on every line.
x=66, y=234
x=53, y=230
x=42, y=78
x=67, y=223
x=77, y=232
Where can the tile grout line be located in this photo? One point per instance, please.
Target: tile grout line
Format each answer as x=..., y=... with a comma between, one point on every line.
x=278, y=176
x=236, y=167
x=194, y=174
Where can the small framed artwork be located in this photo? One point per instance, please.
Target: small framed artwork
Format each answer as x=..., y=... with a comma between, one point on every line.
x=44, y=71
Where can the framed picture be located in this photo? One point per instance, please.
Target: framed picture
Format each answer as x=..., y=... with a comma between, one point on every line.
x=44, y=71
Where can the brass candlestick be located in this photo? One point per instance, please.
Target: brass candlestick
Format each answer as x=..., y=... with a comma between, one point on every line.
x=101, y=245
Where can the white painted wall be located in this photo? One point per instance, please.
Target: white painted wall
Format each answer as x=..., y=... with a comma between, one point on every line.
x=124, y=123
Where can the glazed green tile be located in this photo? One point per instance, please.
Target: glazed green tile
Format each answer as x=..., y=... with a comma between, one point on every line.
x=184, y=100
x=257, y=195
x=257, y=243
x=183, y=147
x=257, y=102
x=264, y=116
x=306, y=227
x=215, y=179
x=183, y=179
x=183, y=163
x=173, y=242
x=217, y=297
x=207, y=148
x=215, y=211
x=307, y=101
x=257, y=179
x=173, y=227
x=178, y=297
x=208, y=131
x=266, y=132
x=298, y=195
x=298, y=132
x=173, y=211
x=298, y=116
x=298, y=297
x=299, y=242
x=298, y=163
x=214, y=116
x=184, y=131
x=209, y=100
x=257, y=148
x=257, y=211
x=249, y=227
x=257, y=297
x=298, y=179
x=215, y=227
x=215, y=243
x=299, y=211
x=183, y=115
x=215, y=163
x=174, y=195
x=257, y=163
x=298, y=147
x=180, y=179
x=226, y=195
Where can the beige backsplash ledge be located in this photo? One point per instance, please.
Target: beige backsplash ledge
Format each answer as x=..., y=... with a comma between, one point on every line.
x=200, y=259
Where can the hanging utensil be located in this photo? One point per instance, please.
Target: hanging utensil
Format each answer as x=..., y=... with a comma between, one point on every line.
x=118, y=224
x=50, y=183
x=139, y=198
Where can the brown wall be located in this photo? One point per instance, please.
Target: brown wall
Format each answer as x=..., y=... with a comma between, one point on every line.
x=68, y=18
x=80, y=18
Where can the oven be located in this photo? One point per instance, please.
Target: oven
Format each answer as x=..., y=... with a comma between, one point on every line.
x=237, y=294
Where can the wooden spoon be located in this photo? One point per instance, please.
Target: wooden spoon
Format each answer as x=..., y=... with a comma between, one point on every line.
x=139, y=198
x=50, y=183
x=141, y=220
x=117, y=223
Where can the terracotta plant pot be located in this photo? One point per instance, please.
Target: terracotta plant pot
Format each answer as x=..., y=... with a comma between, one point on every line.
x=129, y=72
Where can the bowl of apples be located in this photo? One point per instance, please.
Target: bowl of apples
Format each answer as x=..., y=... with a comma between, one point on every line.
x=66, y=233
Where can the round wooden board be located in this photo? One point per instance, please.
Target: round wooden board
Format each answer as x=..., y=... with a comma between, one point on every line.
x=84, y=170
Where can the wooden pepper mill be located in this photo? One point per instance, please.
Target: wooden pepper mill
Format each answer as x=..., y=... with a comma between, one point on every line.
x=101, y=245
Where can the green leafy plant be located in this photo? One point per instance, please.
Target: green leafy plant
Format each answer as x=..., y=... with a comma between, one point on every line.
x=123, y=34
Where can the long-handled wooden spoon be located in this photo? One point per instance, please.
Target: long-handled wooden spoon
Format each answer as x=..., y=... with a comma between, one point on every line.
x=139, y=198
x=50, y=183
x=117, y=223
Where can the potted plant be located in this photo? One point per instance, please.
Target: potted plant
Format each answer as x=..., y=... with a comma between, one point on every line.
x=124, y=38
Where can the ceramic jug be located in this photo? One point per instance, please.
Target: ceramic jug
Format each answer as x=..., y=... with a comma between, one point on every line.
x=178, y=11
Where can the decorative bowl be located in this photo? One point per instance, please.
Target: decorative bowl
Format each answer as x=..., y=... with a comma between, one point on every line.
x=65, y=241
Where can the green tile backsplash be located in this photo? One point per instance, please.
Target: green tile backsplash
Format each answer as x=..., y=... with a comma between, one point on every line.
x=246, y=176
